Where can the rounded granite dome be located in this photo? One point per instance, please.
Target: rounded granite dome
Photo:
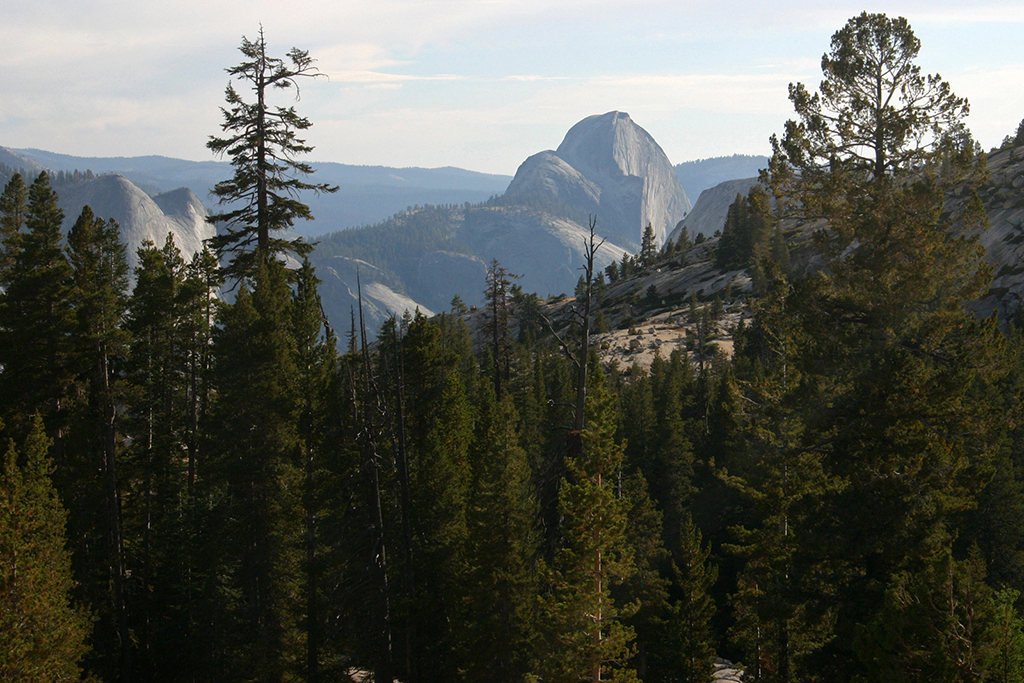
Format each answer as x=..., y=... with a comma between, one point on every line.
x=612, y=168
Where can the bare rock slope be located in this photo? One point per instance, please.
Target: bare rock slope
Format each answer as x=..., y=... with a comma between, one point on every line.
x=1003, y=197
x=141, y=217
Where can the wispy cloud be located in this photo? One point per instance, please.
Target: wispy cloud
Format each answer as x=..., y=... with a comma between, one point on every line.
x=474, y=83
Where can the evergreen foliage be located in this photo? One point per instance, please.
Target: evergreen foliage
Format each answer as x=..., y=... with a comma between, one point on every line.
x=648, y=248
x=44, y=633
x=588, y=640
x=36, y=316
x=263, y=144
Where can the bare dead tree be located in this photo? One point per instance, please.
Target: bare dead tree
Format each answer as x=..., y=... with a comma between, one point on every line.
x=580, y=316
x=369, y=437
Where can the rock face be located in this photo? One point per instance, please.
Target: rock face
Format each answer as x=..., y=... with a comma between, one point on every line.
x=140, y=216
x=712, y=207
x=341, y=279
x=545, y=251
x=1003, y=197
x=612, y=168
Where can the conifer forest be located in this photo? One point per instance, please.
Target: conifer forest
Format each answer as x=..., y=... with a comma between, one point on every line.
x=205, y=480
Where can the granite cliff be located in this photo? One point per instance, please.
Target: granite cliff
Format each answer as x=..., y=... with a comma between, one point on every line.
x=141, y=217
x=606, y=167
x=610, y=167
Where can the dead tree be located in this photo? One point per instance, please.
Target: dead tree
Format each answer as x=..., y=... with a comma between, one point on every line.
x=368, y=437
x=580, y=316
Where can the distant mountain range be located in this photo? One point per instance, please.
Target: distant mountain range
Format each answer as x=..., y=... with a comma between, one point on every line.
x=366, y=194
x=417, y=237
x=704, y=174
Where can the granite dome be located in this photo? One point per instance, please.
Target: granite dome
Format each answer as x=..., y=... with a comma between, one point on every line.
x=609, y=166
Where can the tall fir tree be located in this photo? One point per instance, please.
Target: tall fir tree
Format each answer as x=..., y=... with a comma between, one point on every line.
x=588, y=639
x=37, y=349
x=315, y=365
x=44, y=632
x=100, y=282
x=13, y=210
x=263, y=144
x=441, y=478
x=159, y=512
x=498, y=634
x=255, y=536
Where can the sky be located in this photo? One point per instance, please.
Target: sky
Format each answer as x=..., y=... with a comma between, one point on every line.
x=476, y=84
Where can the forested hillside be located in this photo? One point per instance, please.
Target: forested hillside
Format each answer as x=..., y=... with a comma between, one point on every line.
x=199, y=490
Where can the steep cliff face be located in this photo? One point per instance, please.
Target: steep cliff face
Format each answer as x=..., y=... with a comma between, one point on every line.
x=140, y=216
x=546, y=175
x=610, y=167
x=344, y=279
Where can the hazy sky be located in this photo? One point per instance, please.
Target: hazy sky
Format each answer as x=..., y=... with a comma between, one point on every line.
x=479, y=84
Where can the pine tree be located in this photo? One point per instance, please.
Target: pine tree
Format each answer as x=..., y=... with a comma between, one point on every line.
x=13, y=211
x=44, y=634
x=441, y=479
x=648, y=248
x=588, y=640
x=687, y=646
x=315, y=360
x=100, y=282
x=37, y=320
x=199, y=305
x=937, y=624
x=899, y=412
x=160, y=514
x=503, y=541
x=499, y=315
x=262, y=144
x=782, y=614
x=257, y=544
x=646, y=589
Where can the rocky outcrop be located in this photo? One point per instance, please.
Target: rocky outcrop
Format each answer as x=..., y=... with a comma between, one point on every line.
x=708, y=214
x=140, y=216
x=1003, y=197
x=547, y=175
x=610, y=167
